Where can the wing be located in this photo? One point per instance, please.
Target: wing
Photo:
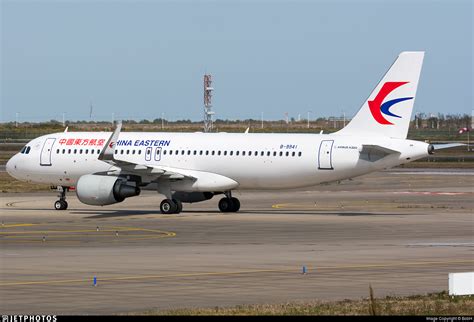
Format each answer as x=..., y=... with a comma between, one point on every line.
x=183, y=179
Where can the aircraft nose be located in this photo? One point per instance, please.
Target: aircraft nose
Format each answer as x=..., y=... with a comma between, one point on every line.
x=11, y=165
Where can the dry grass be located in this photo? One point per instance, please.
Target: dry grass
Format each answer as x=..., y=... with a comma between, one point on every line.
x=431, y=304
x=9, y=184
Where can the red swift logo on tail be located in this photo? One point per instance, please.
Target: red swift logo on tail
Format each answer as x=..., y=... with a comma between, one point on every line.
x=376, y=106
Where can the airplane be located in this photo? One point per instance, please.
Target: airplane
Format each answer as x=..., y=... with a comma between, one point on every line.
x=108, y=167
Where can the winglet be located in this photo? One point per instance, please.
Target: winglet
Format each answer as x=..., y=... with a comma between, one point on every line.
x=108, y=152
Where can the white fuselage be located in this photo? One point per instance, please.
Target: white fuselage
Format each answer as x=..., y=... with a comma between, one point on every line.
x=254, y=161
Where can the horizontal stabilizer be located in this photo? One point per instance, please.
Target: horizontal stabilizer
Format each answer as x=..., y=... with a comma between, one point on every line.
x=446, y=146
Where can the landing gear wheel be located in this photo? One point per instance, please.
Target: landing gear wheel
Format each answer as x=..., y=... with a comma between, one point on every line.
x=168, y=206
x=60, y=205
x=226, y=204
x=179, y=205
x=235, y=204
x=229, y=204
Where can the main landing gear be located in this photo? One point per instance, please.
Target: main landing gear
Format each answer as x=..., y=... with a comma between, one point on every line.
x=171, y=206
x=229, y=203
x=61, y=204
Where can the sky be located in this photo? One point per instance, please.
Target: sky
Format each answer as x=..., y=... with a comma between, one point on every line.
x=144, y=59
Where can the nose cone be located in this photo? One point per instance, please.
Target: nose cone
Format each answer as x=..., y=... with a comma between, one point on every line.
x=11, y=166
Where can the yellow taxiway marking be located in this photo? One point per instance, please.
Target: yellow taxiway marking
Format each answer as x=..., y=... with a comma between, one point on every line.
x=230, y=273
x=17, y=225
x=124, y=233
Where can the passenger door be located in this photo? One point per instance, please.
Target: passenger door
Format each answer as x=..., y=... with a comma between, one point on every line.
x=45, y=156
x=325, y=155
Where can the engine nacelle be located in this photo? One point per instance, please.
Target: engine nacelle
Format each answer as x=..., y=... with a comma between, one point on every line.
x=98, y=190
x=190, y=197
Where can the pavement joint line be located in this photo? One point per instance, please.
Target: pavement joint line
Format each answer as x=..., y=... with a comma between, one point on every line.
x=230, y=273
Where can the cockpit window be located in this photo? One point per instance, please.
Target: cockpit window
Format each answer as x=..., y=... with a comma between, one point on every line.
x=25, y=150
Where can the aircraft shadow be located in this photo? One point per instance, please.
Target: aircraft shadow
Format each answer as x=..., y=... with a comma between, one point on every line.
x=122, y=213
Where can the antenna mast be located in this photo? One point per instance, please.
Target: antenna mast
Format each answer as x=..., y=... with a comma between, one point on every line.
x=208, y=103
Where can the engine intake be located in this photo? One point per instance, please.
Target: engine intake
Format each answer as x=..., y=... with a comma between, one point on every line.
x=99, y=190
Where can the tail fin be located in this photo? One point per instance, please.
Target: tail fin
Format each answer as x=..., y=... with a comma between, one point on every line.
x=387, y=111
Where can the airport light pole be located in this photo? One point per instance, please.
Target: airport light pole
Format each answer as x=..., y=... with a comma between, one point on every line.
x=308, y=118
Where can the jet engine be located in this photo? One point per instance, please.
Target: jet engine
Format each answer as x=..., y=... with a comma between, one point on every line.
x=99, y=190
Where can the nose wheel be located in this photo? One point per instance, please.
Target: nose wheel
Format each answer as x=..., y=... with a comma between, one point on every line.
x=61, y=204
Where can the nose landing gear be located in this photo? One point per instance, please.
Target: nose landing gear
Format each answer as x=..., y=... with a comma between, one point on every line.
x=61, y=204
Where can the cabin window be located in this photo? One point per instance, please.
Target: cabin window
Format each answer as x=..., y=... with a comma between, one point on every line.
x=237, y=153
x=64, y=151
x=207, y=152
x=262, y=153
x=86, y=151
x=139, y=151
x=92, y=151
x=200, y=152
x=287, y=153
x=293, y=154
x=219, y=152
x=75, y=151
x=69, y=151
x=80, y=151
x=213, y=152
x=299, y=154
x=225, y=152
x=195, y=152
x=98, y=151
x=281, y=153
x=121, y=151
x=164, y=152
x=256, y=153
x=128, y=151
